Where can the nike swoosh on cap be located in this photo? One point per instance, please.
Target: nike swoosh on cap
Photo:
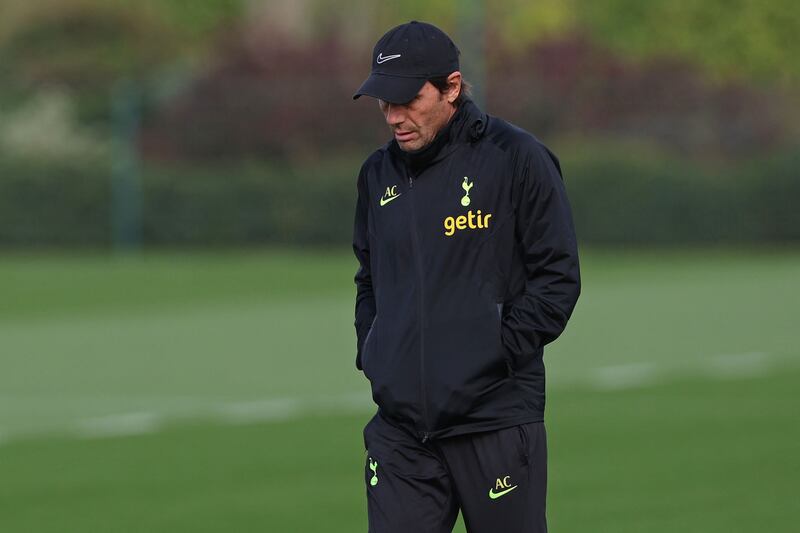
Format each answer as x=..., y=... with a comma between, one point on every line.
x=382, y=59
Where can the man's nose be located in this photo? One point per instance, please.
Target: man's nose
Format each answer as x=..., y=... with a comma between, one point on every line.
x=394, y=114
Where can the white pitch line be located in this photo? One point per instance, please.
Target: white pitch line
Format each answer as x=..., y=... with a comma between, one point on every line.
x=353, y=402
x=610, y=378
x=631, y=376
x=733, y=366
x=640, y=375
x=266, y=410
x=124, y=424
x=275, y=409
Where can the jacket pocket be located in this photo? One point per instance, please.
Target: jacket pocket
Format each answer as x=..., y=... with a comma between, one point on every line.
x=510, y=367
x=525, y=445
x=369, y=341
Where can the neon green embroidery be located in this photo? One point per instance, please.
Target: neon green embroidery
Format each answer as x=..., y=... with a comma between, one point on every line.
x=494, y=495
x=466, y=186
x=374, y=467
x=503, y=485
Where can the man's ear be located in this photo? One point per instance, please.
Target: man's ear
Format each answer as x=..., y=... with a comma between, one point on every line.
x=453, y=86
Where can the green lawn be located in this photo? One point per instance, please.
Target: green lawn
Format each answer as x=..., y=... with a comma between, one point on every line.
x=202, y=392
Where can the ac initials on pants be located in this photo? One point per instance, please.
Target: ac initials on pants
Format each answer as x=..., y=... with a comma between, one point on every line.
x=504, y=483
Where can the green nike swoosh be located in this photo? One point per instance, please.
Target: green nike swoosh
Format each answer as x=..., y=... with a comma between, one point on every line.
x=385, y=201
x=494, y=495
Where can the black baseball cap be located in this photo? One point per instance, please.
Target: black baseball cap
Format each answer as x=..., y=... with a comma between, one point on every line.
x=405, y=58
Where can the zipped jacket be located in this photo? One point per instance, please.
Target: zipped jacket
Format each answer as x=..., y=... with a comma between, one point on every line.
x=468, y=267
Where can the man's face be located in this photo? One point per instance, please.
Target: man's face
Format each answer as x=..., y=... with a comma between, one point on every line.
x=417, y=122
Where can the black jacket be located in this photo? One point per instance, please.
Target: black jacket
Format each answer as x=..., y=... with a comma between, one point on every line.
x=468, y=267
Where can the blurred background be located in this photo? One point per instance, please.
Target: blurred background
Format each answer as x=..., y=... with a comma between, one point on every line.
x=177, y=184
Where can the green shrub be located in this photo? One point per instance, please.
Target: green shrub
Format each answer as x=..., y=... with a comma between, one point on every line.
x=621, y=197
x=618, y=197
x=252, y=203
x=46, y=203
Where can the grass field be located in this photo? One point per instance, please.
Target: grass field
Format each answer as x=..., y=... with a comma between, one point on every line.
x=201, y=392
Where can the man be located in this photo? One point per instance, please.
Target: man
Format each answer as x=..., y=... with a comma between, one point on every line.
x=468, y=267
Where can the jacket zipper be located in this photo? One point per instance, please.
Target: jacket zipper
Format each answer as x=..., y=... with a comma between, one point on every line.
x=418, y=260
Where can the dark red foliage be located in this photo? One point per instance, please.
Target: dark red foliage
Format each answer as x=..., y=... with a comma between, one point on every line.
x=276, y=98
x=570, y=86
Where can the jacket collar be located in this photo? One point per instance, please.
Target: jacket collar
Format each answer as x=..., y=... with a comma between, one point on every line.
x=466, y=126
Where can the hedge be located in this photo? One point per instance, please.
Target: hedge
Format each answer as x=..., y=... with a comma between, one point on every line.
x=623, y=198
x=618, y=197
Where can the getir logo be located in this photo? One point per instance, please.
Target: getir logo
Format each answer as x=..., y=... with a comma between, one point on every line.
x=469, y=221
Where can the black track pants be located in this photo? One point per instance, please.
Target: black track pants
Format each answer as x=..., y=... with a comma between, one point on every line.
x=498, y=479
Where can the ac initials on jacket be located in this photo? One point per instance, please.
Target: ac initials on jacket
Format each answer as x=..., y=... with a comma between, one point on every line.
x=390, y=194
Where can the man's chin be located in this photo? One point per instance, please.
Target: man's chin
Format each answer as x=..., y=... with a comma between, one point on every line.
x=411, y=146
